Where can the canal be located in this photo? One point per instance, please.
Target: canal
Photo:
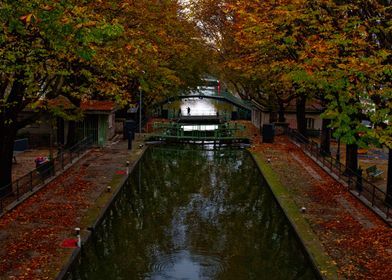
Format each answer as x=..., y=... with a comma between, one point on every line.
x=192, y=212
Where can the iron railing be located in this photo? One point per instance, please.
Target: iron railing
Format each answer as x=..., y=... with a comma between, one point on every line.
x=227, y=131
x=37, y=177
x=355, y=182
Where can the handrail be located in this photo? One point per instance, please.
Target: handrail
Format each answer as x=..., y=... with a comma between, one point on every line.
x=38, y=176
x=353, y=178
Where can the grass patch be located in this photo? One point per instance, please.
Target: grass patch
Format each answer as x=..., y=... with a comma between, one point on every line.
x=95, y=211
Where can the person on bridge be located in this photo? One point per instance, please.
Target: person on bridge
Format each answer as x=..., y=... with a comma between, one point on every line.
x=189, y=110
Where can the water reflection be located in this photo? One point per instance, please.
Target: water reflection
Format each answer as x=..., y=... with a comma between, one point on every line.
x=198, y=214
x=199, y=127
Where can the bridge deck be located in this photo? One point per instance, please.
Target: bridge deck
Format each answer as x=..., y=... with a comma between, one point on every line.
x=200, y=119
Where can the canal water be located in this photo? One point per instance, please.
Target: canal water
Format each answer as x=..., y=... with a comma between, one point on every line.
x=194, y=213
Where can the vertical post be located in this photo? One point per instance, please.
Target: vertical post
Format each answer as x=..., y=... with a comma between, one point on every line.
x=79, y=240
x=373, y=194
x=130, y=140
x=359, y=186
x=338, y=152
x=17, y=190
x=388, y=196
x=52, y=167
x=140, y=109
x=31, y=181
x=62, y=159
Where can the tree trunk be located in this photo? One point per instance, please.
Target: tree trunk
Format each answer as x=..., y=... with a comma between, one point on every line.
x=9, y=126
x=351, y=158
x=388, y=198
x=301, y=117
x=325, y=137
x=7, y=140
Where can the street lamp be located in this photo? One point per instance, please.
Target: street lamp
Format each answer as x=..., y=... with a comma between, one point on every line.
x=338, y=152
x=140, y=103
x=140, y=109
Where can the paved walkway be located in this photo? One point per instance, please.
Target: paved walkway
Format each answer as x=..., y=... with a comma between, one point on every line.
x=31, y=234
x=357, y=240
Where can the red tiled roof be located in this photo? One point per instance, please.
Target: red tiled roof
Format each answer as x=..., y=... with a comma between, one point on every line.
x=95, y=105
x=88, y=105
x=61, y=101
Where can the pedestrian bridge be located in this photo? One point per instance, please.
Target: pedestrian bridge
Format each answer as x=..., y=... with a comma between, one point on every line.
x=212, y=94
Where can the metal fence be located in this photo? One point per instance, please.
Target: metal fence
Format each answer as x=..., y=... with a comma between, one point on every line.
x=38, y=176
x=354, y=180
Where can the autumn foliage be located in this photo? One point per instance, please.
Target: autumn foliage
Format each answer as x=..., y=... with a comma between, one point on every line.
x=354, y=237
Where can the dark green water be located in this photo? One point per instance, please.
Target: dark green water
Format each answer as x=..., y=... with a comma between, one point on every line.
x=194, y=214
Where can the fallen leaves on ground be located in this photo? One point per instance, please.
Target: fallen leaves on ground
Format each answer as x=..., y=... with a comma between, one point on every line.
x=39, y=224
x=355, y=238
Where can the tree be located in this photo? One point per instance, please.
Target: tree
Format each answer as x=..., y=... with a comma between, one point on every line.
x=89, y=49
x=39, y=43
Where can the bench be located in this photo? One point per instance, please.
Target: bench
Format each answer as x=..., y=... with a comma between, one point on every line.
x=20, y=146
x=373, y=172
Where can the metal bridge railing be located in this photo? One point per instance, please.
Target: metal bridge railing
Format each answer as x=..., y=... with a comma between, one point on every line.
x=37, y=177
x=354, y=179
x=219, y=132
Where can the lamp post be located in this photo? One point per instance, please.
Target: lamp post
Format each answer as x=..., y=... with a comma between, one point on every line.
x=140, y=109
x=338, y=152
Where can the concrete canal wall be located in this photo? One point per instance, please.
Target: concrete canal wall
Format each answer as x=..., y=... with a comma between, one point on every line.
x=322, y=262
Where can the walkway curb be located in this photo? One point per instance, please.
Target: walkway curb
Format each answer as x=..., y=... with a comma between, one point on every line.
x=116, y=185
x=324, y=265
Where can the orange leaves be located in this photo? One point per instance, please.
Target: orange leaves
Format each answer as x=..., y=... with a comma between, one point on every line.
x=26, y=19
x=86, y=24
x=36, y=227
x=47, y=7
x=353, y=236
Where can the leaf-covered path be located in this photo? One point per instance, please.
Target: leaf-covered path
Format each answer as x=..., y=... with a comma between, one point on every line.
x=354, y=237
x=31, y=234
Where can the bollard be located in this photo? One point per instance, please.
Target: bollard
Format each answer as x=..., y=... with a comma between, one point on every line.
x=79, y=240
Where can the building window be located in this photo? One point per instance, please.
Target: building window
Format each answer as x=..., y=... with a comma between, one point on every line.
x=309, y=123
